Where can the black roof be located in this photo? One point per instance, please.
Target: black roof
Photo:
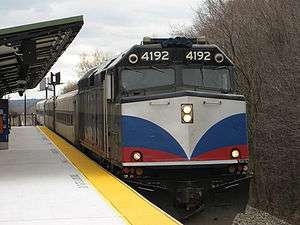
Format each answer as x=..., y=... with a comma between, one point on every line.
x=84, y=80
x=177, y=46
x=28, y=52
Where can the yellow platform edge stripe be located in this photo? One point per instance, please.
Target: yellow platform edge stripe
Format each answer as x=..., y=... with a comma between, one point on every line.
x=133, y=207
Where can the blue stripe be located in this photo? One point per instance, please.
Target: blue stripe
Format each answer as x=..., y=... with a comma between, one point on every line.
x=141, y=133
x=138, y=132
x=228, y=132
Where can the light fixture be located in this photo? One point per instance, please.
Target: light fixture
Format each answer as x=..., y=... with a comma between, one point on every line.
x=187, y=118
x=219, y=58
x=187, y=109
x=235, y=153
x=139, y=171
x=133, y=58
x=187, y=113
x=137, y=156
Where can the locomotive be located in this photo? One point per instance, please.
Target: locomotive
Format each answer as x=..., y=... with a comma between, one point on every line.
x=161, y=115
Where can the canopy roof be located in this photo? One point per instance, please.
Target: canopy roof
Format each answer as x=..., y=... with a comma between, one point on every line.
x=28, y=52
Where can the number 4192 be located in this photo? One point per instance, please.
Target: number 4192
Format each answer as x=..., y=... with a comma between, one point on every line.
x=156, y=55
x=198, y=55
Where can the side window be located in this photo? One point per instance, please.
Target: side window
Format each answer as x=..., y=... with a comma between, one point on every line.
x=116, y=86
x=109, y=86
x=92, y=80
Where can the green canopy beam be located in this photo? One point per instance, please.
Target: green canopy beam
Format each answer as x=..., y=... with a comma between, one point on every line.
x=28, y=52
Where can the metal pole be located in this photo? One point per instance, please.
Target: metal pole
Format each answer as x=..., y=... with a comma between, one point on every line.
x=46, y=88
x=25, y=109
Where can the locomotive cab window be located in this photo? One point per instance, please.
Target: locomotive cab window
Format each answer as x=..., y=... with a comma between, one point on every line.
x=217, y=79
x=142, y=79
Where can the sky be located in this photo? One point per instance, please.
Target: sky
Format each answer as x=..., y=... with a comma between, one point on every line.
x=109, y=25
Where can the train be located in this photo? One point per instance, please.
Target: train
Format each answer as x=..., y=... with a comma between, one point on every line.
x=162, y=115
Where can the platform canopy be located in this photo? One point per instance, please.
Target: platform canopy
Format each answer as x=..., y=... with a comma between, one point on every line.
x=28, y=52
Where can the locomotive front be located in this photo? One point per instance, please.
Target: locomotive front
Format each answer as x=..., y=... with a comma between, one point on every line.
x=182, y=124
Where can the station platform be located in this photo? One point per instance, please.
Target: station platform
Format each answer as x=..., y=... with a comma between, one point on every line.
x=45, y=180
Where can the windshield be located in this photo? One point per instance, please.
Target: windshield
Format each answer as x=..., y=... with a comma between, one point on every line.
x=207, y=78
x=133, y=79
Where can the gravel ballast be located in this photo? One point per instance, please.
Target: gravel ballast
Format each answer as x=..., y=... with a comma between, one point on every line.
x=253, y=216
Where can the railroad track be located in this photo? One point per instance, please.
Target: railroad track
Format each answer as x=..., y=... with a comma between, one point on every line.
x=219, y=208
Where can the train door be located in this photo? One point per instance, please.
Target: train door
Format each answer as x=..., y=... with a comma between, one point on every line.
x=107, y=97
x=76, y=119
x=99, y=118
x=94, y=116
x=81, y=116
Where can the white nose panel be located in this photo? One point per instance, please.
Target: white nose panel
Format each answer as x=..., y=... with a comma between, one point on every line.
x=208, y=112
x=166, y=113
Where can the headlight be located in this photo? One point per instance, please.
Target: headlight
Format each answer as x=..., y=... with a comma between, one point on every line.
x=136, y=156
x=187, y=113
x=187, y=109
x=235, y=153
x=187, y=118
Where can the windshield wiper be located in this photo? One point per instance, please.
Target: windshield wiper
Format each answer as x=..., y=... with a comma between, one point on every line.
x=157, y=69
x=218, y=68
x=224, y=91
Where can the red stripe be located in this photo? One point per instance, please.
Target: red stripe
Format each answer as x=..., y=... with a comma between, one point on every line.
x=223, y=153
x=152, y=155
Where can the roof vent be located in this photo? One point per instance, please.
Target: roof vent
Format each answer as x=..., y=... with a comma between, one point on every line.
x=175, y=42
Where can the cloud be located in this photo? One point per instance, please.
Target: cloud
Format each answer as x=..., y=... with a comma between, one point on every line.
x=110, y=25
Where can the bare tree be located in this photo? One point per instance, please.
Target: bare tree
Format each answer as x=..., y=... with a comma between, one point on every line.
x=262, y=38
x=88, y=61
x=69, y=86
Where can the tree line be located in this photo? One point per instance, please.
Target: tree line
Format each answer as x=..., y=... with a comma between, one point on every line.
x=262, y=38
